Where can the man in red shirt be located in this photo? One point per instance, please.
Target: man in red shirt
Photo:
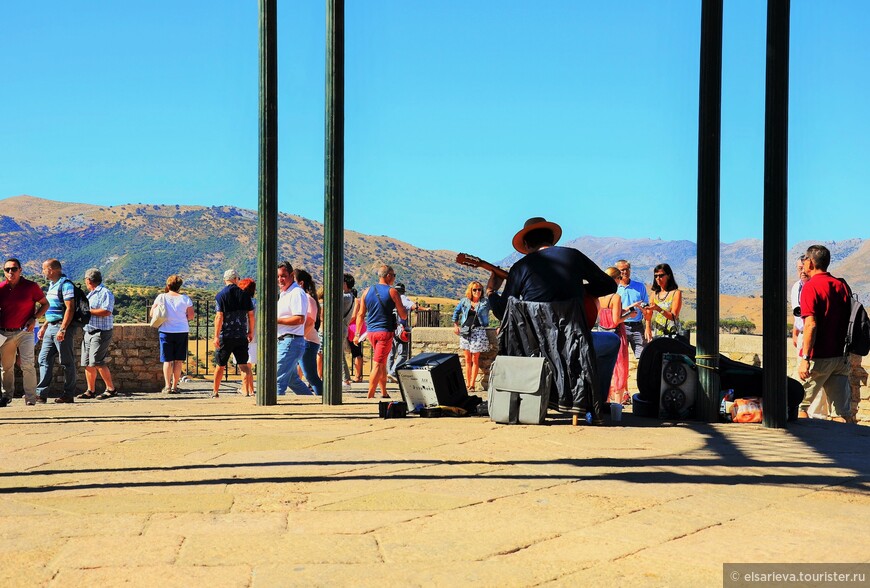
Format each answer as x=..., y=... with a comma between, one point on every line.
x=825, y=310
x=19, y=313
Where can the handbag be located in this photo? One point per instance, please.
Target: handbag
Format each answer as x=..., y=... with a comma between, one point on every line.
x=159, y=314
x=519, y=389
x=468, y=326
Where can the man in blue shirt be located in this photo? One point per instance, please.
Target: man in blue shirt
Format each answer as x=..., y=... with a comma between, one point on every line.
x=57, y=333
x=633, y=295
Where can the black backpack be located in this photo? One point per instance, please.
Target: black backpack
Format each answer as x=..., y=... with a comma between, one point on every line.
x=81, y=306
x=858, y=333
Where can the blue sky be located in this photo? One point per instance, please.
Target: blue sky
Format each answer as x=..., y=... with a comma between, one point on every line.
x=462, y=118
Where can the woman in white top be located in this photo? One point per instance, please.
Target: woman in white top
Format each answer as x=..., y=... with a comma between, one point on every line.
x=173, y=332
x=308, y=361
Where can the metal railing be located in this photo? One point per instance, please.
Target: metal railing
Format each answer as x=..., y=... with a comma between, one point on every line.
x=427, y=318
x=200, y=348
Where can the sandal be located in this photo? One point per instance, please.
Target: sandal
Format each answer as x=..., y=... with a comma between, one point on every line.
x=88, y=394
x=107, y=394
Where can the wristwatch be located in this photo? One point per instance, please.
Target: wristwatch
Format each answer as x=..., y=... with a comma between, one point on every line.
x=802, y=356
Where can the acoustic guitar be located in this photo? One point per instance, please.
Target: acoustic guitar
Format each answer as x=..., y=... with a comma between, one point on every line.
x=590, y=303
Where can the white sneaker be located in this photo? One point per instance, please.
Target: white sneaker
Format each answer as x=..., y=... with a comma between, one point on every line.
x=346, y=386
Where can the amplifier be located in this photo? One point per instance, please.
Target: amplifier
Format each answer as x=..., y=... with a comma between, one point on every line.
x=432, y=379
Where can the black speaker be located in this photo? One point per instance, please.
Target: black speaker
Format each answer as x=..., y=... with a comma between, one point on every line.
x=679, y=386
x=432, y=379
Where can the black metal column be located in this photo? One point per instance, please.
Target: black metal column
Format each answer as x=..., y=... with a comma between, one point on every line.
x=709, y=142
x=775, y=214
x=267, y=235
x=333, y=214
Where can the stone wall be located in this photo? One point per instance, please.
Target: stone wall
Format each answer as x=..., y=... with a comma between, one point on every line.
x=743, y=348
x=134, y=360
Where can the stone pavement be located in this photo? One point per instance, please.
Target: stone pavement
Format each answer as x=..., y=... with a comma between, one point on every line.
x=158, y=490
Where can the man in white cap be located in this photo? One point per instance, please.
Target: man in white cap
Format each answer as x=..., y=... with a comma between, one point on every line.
x=233, y=327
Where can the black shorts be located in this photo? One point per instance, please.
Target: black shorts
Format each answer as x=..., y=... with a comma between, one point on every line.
x=237, y=347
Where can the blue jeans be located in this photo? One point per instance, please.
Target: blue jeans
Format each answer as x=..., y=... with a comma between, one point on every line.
x=308, y=363
x=398, y=355
x=290, y=350
x=606, y=345
x=51, y=348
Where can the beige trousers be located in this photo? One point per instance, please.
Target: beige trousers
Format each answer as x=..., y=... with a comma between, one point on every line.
x=830, y=374
x=18, y=342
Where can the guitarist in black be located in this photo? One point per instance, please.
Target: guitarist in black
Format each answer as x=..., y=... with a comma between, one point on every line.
x=548, y=273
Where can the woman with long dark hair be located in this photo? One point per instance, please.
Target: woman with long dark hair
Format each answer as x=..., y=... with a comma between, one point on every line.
x=663, y=311
x=308, y=361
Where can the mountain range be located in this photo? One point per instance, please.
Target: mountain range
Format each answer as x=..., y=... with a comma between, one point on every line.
x=740, y=267
x=143, y=244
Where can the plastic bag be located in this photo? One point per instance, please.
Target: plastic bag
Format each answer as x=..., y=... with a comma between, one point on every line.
x=747, y=410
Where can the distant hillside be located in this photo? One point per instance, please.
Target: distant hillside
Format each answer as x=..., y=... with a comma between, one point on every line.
x=740, y=263
x=141, y=244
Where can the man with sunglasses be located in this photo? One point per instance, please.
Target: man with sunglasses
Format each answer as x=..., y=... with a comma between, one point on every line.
x=825, y=310
x=22, y=303
x=375, y=308
x=633, y=295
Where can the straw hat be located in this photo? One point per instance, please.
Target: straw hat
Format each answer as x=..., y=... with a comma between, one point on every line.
x=533, y=223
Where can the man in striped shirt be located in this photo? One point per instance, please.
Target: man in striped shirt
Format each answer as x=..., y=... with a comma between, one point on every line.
x=57, y=333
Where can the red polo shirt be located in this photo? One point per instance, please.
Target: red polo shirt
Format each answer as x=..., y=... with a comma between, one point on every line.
x=826, y=299
x=18, y=304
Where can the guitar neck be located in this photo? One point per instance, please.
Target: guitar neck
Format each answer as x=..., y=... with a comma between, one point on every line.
x=494, y=269
x=474, y=261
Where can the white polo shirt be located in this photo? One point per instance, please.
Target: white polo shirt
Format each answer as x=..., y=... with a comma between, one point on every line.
x=292, y=302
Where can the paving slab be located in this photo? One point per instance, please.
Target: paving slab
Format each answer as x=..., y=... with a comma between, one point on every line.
x=190, y=491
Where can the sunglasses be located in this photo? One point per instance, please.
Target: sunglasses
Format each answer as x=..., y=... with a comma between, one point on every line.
x=477, y=289
x=661, y=276
x=11, y=270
